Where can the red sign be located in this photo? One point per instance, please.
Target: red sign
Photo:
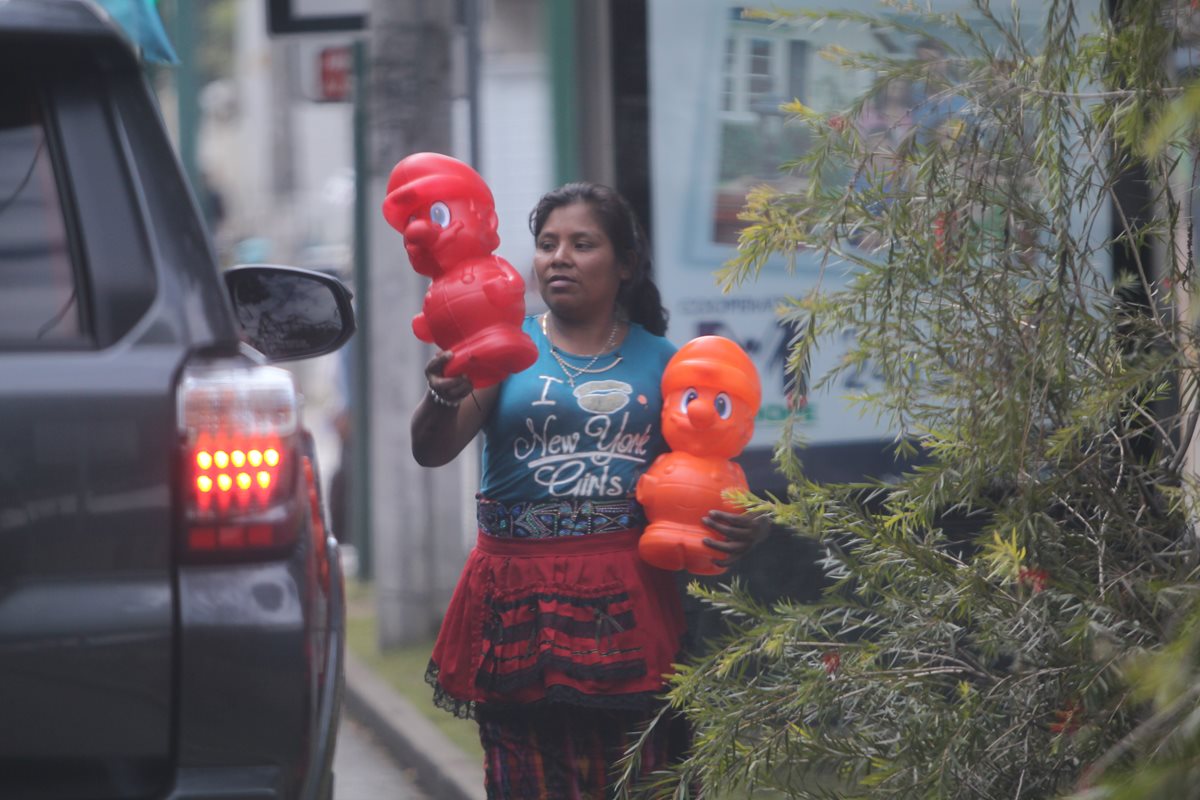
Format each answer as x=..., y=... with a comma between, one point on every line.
x=335, y=68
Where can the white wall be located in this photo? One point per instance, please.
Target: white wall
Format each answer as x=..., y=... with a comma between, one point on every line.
x=516, y=123
x=276, y=136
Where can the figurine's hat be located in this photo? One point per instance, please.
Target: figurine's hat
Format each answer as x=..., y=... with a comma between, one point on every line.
x=421, y=177
x=717, y=362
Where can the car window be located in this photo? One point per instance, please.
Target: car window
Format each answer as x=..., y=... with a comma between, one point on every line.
x=39, y=299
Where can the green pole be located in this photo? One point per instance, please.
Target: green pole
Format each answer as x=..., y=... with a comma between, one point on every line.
x=361, y=475
x=560, y=52
x=184, y=36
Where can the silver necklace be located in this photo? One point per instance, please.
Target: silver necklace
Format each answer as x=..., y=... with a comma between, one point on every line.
x=573, y=372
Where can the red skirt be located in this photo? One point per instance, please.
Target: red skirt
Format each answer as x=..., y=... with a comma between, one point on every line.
x=579, y=620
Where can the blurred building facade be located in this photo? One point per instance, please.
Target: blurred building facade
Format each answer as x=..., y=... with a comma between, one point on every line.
x=650, y=96
x=492, y=107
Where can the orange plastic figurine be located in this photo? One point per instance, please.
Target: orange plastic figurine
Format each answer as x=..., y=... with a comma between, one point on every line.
x=476, y=301
x=711, y=393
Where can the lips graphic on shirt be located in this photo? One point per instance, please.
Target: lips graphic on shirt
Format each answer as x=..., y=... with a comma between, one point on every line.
x=603, y=397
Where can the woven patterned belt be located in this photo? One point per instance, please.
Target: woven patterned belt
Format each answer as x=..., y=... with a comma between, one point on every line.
x=546, y=519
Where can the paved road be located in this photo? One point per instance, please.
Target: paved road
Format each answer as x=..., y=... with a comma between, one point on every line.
x=365, y=771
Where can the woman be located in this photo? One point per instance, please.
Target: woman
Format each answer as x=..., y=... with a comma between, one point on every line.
x=558, y=635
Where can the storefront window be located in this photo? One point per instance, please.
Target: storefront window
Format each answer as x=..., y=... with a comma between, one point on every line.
x=720, y=80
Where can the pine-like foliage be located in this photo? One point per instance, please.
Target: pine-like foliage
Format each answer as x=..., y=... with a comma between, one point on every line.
x=1048, y=407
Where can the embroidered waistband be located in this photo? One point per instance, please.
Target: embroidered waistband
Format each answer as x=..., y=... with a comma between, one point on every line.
x=551, y=518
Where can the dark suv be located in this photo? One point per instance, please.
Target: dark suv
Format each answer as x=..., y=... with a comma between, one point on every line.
x=171, y=601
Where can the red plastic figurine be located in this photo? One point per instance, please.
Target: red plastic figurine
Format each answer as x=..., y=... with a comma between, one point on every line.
x=476, y=302
x=711, y=393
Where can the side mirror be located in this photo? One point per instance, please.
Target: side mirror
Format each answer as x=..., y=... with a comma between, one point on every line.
x=287, y=313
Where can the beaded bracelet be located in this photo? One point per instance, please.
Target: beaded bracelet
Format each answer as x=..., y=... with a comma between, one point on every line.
x=441, y=401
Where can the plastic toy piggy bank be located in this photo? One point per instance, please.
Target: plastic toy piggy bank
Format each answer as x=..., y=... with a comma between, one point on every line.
x=711, y=393
x=476, y=301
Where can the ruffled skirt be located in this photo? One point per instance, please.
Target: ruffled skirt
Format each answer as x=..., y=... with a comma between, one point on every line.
x=578, y=620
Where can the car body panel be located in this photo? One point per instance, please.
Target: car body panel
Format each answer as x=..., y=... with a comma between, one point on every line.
x=127, y=670
x=87, y=600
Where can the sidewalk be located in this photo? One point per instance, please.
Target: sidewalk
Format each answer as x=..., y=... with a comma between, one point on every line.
x=441, y=768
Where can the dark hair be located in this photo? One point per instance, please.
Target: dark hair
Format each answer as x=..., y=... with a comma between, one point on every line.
x=638, y=296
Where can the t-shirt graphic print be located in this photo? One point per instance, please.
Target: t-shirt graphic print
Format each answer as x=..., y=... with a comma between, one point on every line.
x=548, y=439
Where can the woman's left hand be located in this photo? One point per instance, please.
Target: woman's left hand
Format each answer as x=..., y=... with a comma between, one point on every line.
x=742, y=532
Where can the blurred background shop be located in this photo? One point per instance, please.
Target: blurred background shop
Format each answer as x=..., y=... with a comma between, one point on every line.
x=289, y=114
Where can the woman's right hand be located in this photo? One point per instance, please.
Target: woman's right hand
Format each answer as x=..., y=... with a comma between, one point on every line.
x=453, y=390
x=443, y=424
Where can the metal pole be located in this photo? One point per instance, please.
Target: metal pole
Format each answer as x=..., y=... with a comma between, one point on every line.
x=473, y=61
x=361, y=407
x=185, y=83
x=560, y=50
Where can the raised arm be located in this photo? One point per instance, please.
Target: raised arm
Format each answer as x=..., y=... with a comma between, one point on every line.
x=449, y=416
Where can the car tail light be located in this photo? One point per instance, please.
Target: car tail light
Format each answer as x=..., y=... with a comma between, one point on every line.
x=240, y=433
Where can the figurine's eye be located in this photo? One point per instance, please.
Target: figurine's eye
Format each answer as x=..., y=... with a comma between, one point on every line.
x=688, y=396
x=439, y=213
x=723, y=405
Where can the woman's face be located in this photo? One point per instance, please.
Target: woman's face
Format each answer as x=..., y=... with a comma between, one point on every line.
x=577, y=271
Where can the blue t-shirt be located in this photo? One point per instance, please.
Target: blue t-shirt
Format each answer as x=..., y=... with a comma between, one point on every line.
x=546, y=439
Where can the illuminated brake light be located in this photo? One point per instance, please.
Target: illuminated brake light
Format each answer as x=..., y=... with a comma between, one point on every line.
x=239, y=429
